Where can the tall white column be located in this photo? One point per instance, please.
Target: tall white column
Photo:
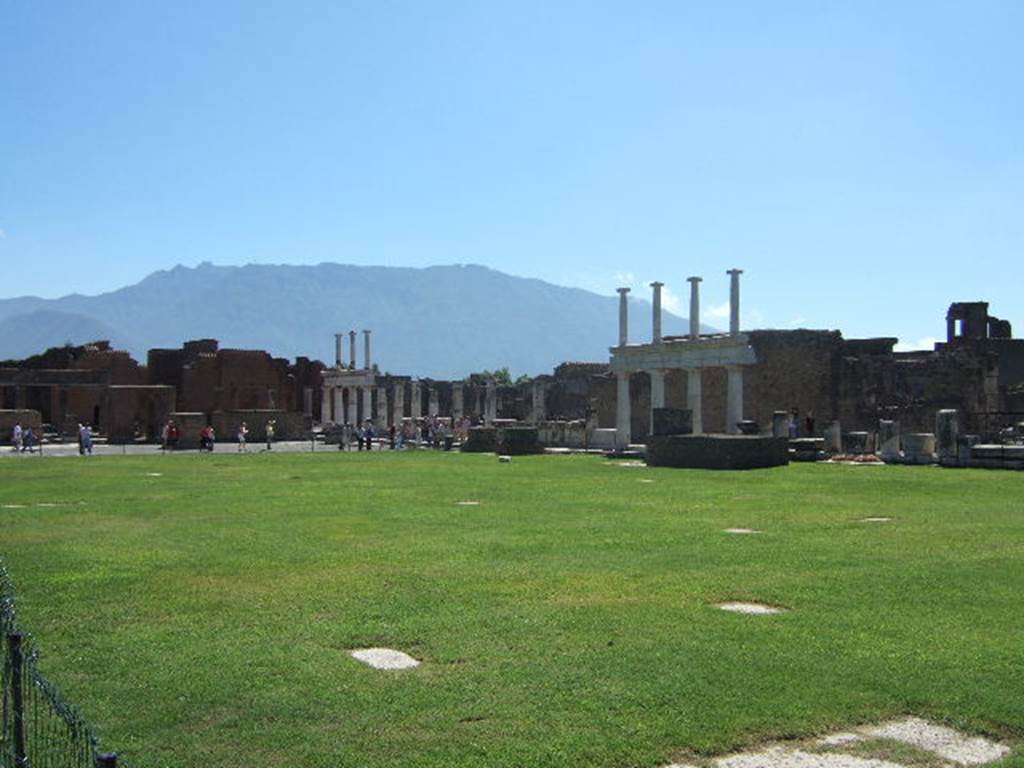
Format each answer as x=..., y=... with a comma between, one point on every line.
x=656, y=313
x=733, y=398
x=458, y=406
x=695, y=399
x=352, y=349
x=657, y=394
x=325, y=403
x=734, y=300
x=339, y=405
x=415, y=400
x=540, y=410
x=694, y=306
x=366, y=349
x=399, y=403
x=338, y=344
x=353, y=414
x=623, y=316
x=623, y=430
x=367, y=403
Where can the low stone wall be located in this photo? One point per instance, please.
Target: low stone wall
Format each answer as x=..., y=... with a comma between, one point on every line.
x=24, y=416
x=717, y=451
x=562, y=434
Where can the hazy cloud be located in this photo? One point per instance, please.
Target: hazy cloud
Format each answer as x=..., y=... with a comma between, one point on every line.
x=926, y=343
x=3, y=234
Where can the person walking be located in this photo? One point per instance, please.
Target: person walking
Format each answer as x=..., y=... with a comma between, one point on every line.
x=16, y=436
x=270, y=434
x=243, y=434
x=28, y=439
x=87, y=440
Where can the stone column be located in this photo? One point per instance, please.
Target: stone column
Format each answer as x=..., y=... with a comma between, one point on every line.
x=833, y=438
x=657, y=394
x=888, y=440
x=352, y=349
x=433, y=401
x=367, y=403
x=353, y=406
x=339, y=404
x=623, y=317
x=656, y=313
x=399, y=403
x=366, y=349
x=490, y=402
x=695, y=399
x=337, y=348
x=694, y=306
x=415, y=401
x=780, y=423
x=623, y=431
x=947, y=432
x=950, y=328
x=382, y=408
x=458, y=405
x=540, y=410
x=307, y=401
x=734, y=398
x=734, y=300
x=325, y=404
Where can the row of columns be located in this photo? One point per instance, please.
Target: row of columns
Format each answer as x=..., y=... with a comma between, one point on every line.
x=734, y=381
x=339, y=345
x=335, y=396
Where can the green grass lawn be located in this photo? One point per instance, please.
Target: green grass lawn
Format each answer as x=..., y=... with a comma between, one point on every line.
x=205, y=616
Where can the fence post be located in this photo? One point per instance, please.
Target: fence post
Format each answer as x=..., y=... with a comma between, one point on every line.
x=106, y=760
x=17, y=698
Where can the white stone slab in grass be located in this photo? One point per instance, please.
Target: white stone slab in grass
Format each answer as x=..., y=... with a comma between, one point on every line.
x=631, y=464
x=940, y=740
x=13, y=506
x=741, y=530
x=879, y=519
x=468, y=503
x=753, y=609
x=783, y=757
x=645, y=480
x=385, y=658
x=154, y=474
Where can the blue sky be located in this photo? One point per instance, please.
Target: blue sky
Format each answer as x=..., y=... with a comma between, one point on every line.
x=862, y=161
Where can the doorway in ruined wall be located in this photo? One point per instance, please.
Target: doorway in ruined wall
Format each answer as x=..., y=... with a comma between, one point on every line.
x=38, y=398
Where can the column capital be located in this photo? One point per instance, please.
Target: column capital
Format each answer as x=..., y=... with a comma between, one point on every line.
x=694, y=279
x=734, y=271
x=622, y=291
x=655, y=284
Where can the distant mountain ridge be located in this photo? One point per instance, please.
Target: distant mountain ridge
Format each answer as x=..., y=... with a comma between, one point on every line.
x=442, y=321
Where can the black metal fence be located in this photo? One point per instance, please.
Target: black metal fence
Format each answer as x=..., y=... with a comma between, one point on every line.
x=38, y=728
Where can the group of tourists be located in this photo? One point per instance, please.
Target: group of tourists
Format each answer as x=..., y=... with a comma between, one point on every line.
x=429, y=432
x=23, y=440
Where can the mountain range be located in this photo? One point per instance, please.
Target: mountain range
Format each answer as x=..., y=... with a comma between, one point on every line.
x=441, y=322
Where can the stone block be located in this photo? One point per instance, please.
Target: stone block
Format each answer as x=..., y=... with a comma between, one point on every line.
x=947, y=430
x=519, y=441
x=481, y=440
x=717, y=451
x=964, y=446
x=672, y=421
x=780, y=423
x=889, y=440
x=858, y=443
x=919, y=448
x=833, y=438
